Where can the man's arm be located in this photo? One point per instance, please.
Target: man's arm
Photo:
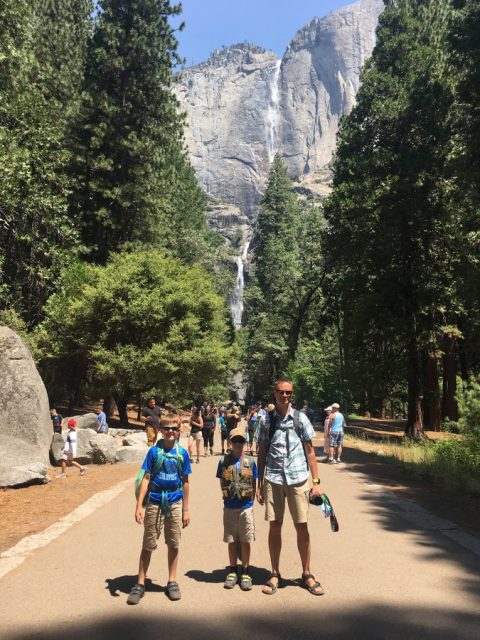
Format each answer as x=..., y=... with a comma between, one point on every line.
x=261, y=460
x=312, y=465
x=186, y=496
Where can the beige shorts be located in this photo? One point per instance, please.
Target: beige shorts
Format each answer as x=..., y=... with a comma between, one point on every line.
x=297, y=496
x=154, y=522
x=196, y=436
x=152, y=435
x=238, y=525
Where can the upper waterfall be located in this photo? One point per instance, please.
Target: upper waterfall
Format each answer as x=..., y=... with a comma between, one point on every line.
x=272, y=112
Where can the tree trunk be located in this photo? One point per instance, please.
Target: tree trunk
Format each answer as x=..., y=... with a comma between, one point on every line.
x=383, y=410
x=109, y=405
x=449, y=402
x=414, y=427
x=122, y=409
x=432, y=394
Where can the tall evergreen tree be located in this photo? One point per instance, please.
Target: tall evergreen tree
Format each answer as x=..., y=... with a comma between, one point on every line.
x=130, y=132
x=393, y=230
x=39, y=84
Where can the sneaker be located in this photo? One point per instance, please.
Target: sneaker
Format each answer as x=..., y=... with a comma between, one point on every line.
x=136, y=594
x=198, y=460
x=61, y=475
x=331, y=461
x=173, y=590
x=245, y=582
x=83, y=471
x=335, y=461
x=231, y=579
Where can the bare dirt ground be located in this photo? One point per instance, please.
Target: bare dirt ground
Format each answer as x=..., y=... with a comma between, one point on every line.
x=32, y=509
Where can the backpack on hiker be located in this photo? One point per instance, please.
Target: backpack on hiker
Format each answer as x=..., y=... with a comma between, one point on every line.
x=162, y=456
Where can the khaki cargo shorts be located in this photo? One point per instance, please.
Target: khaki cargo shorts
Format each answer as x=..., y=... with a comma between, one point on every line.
x=238, y=525
x=297, y=496
x=154, y=522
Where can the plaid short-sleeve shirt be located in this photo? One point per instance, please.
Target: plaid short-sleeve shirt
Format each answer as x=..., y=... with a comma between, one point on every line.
x=286, y=462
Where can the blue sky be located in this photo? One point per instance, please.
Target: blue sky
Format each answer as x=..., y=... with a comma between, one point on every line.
x=268, y=23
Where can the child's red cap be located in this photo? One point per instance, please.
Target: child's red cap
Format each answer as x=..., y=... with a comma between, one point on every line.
x=72, y=423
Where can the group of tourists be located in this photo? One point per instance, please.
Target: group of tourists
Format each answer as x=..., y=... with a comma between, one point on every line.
x=286, y=461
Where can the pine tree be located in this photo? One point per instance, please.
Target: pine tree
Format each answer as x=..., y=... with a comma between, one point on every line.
x=393, y=230
x=39, y=86
x=130, y=132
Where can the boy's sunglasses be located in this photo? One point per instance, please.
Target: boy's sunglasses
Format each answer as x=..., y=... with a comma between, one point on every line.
x=170, y=428
x=282, y=392
x=236, y=440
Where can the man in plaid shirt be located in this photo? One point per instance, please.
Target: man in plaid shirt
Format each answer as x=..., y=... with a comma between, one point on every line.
x=285, y=458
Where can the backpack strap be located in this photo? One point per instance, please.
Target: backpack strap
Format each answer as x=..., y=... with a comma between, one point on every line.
x=274, y=423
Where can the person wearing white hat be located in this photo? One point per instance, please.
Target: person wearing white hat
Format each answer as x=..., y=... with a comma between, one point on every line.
x=326, y=443
x=336, y=432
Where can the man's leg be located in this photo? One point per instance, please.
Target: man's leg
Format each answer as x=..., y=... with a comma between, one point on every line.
x=275, y=548
x=303, y=545
x=339, y=453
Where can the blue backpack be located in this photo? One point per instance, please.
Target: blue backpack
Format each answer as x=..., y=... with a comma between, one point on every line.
x=162, y=456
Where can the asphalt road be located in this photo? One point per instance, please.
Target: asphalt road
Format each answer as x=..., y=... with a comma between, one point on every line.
x=391, y=572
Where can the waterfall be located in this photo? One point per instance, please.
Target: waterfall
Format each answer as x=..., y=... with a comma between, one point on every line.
x=272, y=112
x=236, y=300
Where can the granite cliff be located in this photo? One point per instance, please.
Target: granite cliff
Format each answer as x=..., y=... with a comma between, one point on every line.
x=243, y=104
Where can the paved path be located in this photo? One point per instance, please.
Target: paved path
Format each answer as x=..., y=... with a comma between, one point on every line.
x=391, y=572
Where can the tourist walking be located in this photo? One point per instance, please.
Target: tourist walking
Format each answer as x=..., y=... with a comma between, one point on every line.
x=208, y=430
x=326, y=440
x=195, y=435
x=57, y=421
x=285, y=457
x=69, y=452
x=101, y=426
x=336, y=431
x=151, y=415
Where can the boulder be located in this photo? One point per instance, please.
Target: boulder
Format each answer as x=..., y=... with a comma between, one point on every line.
x=92, y=447
x=135, y=440
x=131, y=455
x=86, y=421
x=25, y=424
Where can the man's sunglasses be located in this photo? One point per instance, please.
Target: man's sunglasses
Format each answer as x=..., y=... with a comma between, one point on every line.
x=282, y=392
x=236, y=440
x=170, y=428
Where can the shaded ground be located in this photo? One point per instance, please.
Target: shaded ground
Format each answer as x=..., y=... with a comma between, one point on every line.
x=33, y=509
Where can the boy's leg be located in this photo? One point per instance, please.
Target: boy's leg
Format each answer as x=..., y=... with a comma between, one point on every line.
x=245, y=553
x=144, y=563
x=232, y=553
x=172, y=563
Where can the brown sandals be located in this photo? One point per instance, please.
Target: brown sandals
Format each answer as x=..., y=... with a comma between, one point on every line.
x=316, y=589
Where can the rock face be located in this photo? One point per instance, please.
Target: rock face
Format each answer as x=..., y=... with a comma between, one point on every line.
x=244, y=105
x=25, y=425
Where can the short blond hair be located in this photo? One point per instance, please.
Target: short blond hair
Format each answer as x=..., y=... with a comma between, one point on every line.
x=169, y=420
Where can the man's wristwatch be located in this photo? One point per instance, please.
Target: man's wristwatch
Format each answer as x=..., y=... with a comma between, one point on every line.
x=316, y=481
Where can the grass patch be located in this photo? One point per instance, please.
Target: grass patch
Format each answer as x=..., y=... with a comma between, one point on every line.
x=452, y=464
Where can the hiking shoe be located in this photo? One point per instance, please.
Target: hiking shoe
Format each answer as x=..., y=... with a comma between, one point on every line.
x=136, y=594
x=173, y=590
x=61, y=475
x=231, y=580
x=83, y=471
x=245, y=582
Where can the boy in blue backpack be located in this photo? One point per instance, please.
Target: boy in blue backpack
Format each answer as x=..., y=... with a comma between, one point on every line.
x=165, y=487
